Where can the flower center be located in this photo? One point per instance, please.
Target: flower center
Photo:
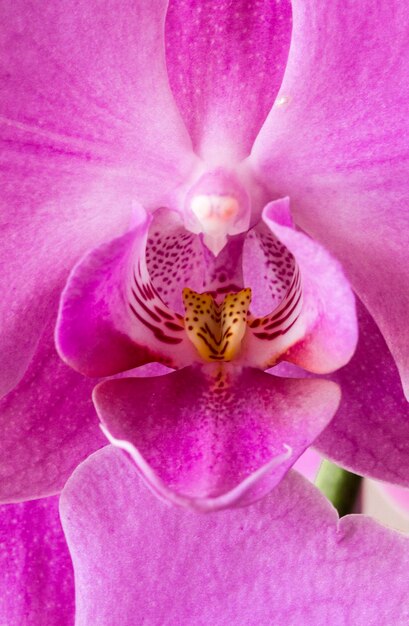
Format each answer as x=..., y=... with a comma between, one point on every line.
x=216, y=216
x=216, y=330
x=217, y=206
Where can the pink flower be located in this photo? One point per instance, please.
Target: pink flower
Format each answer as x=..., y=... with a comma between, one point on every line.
x=100, y=131
x=108, y=114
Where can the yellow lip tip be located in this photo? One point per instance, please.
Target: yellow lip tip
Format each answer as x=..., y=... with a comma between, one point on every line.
x=215, y=330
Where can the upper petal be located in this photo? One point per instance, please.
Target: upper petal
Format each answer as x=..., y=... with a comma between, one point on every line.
x=226, y=61
x=209, y=441
x=337, y=142
x=90, y=86
x=285, y=560
x=87, y=122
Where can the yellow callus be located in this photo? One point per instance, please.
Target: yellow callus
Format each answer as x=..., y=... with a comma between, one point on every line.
x=216, y=330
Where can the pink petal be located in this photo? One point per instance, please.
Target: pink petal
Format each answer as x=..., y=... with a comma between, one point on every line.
x=39, y=249
x=226, y=61
x=36, y=577
x=208, y=448
x=285, y=560
x=91, y=86
x=47, y=426
x=337, y=143
x=87, y=124
x=370, y=432
x=111, y=316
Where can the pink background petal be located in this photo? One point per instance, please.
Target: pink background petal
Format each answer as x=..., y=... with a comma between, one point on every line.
x=36, y=577
x=308, y=464
x=284, y=560
x=337, y=143
x=370, y=431
x=87, y=122
x=226, y=61
x=386, y=503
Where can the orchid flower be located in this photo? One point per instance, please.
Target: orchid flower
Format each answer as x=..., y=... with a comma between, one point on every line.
x=156, y=161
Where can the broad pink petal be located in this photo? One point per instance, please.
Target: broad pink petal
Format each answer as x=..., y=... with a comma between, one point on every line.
x=47, y=426
x=226, y=61
x=87, y=124
x=337, y=143
x=206, y=447
x=39, y=245
x=36, y=577
x=111, y=316
x=370, y=432
x=285, y=560
x=90, y=87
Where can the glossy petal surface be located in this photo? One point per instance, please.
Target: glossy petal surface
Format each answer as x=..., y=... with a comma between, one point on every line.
x=205, y=446
x=338, y=143
x=36, y=577
x=285, y=560
x=226, y=61
x=75, y=149
x=47, y=426
x=370, y=431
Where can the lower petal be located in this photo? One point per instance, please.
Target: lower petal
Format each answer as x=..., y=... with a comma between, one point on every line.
x=36, y=577
x=285, y=560
x=201, y=445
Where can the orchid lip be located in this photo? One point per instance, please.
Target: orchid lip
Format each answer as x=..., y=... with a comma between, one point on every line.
x=208, y=504
x=216, y=330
